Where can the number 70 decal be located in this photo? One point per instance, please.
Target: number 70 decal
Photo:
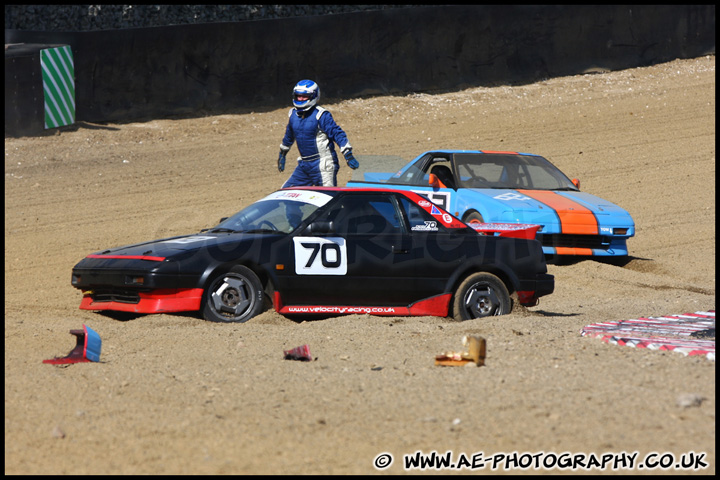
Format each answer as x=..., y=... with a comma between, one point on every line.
x=320, y=256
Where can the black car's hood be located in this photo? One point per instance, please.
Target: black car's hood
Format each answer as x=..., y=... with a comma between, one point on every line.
x=171, y=246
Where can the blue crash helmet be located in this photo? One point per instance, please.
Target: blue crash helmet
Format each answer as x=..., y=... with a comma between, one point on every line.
x=310, y=91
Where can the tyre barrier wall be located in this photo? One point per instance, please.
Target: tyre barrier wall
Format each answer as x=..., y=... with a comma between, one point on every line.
x=143, y=73
x=39, y=87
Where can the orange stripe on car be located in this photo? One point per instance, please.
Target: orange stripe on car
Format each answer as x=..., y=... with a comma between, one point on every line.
x=574, y=218
x=573, y=251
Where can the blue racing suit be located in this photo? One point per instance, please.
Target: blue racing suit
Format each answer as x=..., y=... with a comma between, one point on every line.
x=316, y=133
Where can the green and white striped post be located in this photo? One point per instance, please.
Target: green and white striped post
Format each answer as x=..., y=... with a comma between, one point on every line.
x=58, y=72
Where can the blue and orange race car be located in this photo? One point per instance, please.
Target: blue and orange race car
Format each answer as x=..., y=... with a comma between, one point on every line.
x=511, y=188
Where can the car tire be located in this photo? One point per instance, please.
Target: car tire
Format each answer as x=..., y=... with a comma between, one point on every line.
x=481, y=295
x=234, y=297
x=473, y=217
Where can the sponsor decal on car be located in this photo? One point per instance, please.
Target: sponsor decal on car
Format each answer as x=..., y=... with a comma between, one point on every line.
x=186, y=240
x=508, y=196
x=316, y=198
x=427, y=227
x=441, y=199
x=345, y=310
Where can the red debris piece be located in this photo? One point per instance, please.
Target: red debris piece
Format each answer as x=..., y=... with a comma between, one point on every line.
x=298, y=353
x=87, y=348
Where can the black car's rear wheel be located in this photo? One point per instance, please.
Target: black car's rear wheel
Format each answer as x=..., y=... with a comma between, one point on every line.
x=481, y=295
x=234, y=297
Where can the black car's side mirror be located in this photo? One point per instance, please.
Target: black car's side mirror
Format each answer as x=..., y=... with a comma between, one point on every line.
x=320, y=227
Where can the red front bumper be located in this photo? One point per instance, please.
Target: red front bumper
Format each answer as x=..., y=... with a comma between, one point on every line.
x=157, y=301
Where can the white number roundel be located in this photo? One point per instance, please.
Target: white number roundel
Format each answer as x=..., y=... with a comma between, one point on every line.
x=320, y=256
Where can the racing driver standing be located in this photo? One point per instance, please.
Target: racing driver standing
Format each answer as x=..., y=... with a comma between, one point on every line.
x=316, y=133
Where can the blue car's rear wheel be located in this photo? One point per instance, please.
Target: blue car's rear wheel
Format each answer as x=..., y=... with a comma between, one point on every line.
x=481, y=295
x=234, y=297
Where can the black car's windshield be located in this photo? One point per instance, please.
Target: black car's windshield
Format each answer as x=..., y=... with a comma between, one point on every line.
x=513, y=171
x=281, y=212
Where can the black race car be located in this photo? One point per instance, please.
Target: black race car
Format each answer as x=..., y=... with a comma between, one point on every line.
x=318, y=250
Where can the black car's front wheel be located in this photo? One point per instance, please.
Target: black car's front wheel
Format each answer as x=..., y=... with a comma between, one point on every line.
x=481, y=295
x=234, y=297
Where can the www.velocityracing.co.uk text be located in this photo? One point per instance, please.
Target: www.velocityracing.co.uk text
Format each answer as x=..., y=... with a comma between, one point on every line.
x=544, y=461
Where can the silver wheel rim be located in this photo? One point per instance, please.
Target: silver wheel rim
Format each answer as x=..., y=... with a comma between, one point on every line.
x=232, y=298
x=482, y=301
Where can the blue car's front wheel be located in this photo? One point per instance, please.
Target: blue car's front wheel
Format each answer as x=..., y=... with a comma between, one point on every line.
x=481, y=295
x=473, y=217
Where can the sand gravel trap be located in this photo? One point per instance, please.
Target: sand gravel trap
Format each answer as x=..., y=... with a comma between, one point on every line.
x=174, y=394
